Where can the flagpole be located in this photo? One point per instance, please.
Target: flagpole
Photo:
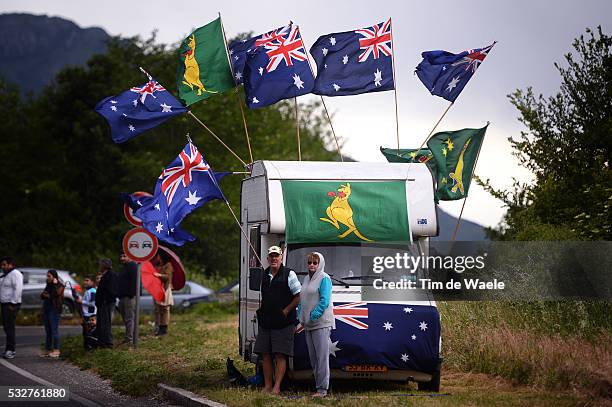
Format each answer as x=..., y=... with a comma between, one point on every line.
x=216, y=137
x=435, y=126
x=332, y=127
x=297, y=126
x=325, y=107
x=246, y=130
x=465, y=199
x=394, y=87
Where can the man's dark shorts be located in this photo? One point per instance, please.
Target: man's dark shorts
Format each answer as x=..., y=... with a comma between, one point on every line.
x=275, y=340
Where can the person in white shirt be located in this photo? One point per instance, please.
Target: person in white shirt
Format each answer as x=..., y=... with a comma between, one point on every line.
x=11, y=286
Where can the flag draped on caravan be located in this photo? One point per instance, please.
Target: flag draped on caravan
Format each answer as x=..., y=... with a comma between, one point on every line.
x=345, y=211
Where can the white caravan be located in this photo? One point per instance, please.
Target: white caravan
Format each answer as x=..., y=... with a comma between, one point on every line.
x=380, y=334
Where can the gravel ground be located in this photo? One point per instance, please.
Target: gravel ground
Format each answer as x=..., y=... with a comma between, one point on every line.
x=84, y=383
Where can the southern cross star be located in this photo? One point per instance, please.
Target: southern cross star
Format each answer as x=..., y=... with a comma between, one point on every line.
x=388, y=326
x=114, y=108
x=332, y=40
x=423, y=326
x=345, y=59
x=193, y=199
x=159, y=227
x=298, y=82
x=408, y=310
x=157, y=207
x=166, y=108
x=135, y=102
x=377, y=77
x=260, y=70
x=405, y=357
x=336, y=87
x=324, y=50
x=452, y=84
x=132, y=128
x=255, y=100
x=238, y=76
x=333, y=347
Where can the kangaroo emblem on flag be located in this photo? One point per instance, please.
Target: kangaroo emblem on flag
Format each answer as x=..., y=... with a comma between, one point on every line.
x=457, y=176
x=192, y=69
x=340, y=211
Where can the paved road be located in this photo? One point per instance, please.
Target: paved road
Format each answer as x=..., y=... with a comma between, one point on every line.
x=85, y=388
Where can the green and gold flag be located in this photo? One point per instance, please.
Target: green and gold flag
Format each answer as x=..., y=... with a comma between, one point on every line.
x=410, y=155
x=345, y=211
x=203, y=69
x=455, y=154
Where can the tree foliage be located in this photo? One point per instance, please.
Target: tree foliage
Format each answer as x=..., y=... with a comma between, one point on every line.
x=62, y=175
x=568, y=148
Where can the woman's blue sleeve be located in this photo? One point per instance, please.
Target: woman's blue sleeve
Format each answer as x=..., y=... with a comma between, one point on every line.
x=325, y=290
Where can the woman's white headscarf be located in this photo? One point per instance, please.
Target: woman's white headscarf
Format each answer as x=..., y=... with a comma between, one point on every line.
x=321, y=266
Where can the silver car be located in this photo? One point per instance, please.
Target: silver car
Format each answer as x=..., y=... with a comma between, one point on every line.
x=34, y=281
x=191, y=294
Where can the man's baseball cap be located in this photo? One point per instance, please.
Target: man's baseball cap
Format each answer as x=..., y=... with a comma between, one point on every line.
x=275, y=249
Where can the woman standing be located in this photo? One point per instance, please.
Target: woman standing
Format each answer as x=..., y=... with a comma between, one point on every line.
x=53, y=298
x=317, y=318
x=162, y=309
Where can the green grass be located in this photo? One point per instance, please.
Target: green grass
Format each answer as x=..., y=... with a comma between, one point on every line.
x=542, y=364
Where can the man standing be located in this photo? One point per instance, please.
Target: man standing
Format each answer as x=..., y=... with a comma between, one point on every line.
x=106, y=295
x=280, y=295
x=127, y=286
x=11, y=286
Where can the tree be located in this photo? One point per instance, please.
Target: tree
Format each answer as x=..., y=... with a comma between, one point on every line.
x=60, y=201
x=568, y=147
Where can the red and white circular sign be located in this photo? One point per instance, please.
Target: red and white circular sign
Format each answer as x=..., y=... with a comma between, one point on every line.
x=139, y=244
x=129, y=213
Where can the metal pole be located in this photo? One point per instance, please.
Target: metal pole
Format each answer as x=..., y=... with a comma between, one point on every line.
x=297, y=126
x=137, y=317
x=394, y=87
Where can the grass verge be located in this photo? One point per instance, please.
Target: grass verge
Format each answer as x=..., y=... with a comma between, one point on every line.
x=523, y=366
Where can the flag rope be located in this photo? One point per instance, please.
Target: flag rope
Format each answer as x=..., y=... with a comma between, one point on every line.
x=332, y=128
x=297, y=126
x=215, y=136
x=465, y=199
x=394, y=87
x=246, y=130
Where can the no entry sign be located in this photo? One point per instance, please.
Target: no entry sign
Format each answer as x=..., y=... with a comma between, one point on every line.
x=139, y=244
x=129, y=213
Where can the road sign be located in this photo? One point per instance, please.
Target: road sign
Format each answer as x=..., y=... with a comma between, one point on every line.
x=139, y=244
x=129, y=213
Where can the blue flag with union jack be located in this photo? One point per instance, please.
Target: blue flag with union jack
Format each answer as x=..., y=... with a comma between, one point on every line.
x=445, y=74
x=238, y=49
x=139, y=109
x=354, y=62
x=277, y=70
x=183, y=186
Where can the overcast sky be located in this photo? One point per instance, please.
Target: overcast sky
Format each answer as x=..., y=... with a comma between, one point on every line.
x=531, y=36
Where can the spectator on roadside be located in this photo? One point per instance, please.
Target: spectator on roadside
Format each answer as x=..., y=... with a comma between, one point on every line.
x=88, y=310
x=127, y=281
x=106, y=296
x=53, y=300
x=164, y=272
x=317, y=317
x=280, y=295
x=11, y=286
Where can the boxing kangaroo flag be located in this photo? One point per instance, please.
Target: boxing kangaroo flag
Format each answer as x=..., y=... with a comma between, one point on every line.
x=455, y=154
x=445, y=74
x=203, y=68
x=277, y=70
x=183, y=186
x=410, y=155
x=354, y=62
x=139, y=109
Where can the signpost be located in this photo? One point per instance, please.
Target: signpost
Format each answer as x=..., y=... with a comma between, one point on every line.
x=129, y=212
x=139, y=245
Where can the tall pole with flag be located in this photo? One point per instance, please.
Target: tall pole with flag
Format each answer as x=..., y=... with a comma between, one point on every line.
x=445, y=74
x=244, y=122
x=394, y=87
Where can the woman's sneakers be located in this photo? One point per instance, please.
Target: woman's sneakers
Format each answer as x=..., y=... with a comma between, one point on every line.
x=9, y=354
x=54, y=354
x=44, y=354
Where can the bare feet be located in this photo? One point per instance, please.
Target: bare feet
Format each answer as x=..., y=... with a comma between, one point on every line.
x=276, y=391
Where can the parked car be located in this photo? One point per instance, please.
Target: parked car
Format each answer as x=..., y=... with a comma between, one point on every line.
x=191, y=294
x=34, y=281
x=229, y=293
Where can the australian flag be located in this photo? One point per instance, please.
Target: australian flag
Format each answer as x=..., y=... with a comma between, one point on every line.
x=446, y=74
x=354, y=62
x=397, y=336
x=139, y=109
x=277, y=70
x=238, y=49
x=183, y=186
